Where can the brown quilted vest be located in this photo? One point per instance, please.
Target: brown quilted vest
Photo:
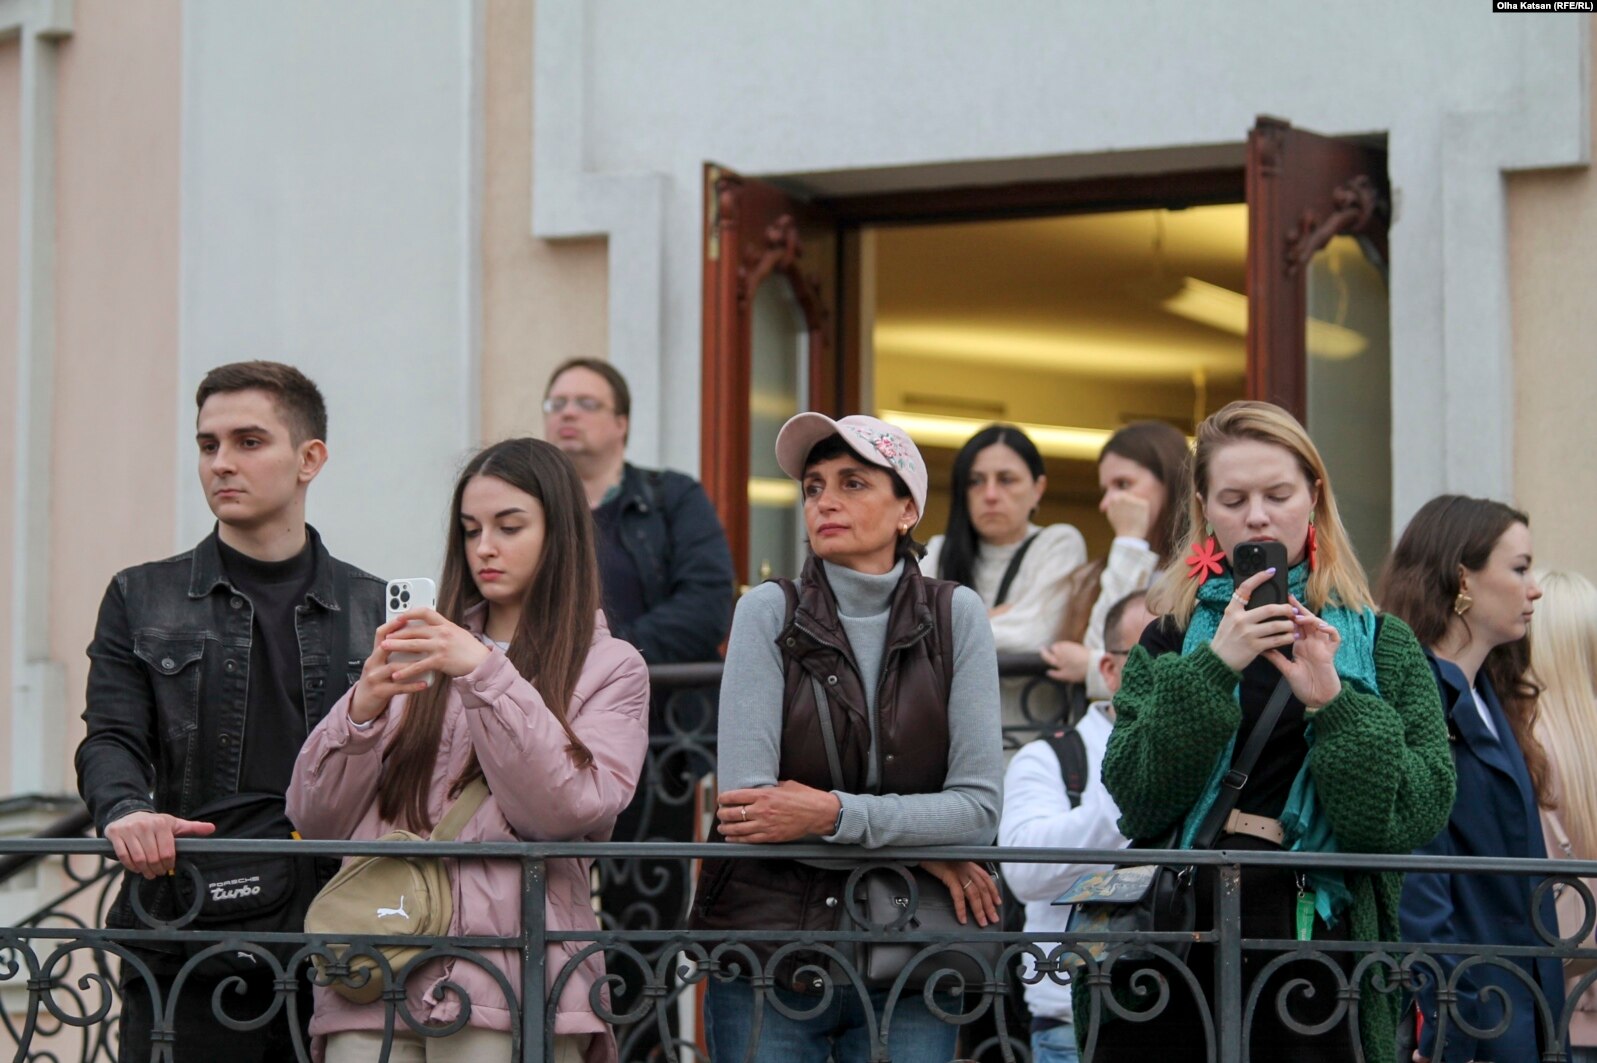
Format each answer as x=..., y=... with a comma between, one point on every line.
x=911, y=749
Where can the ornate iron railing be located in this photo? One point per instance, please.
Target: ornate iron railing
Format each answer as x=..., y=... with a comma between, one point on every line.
x=66, y=969
x=60, y=969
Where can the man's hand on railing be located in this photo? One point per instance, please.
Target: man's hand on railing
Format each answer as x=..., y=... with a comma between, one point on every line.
x=145, y=841
x=969, y=884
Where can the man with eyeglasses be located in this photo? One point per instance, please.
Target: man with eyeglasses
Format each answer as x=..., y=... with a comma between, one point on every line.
x=663, y=558
x=1050, y=803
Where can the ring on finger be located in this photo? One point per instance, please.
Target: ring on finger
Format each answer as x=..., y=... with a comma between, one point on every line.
x=1236, y=597
x=968, y=883
x=745, y=810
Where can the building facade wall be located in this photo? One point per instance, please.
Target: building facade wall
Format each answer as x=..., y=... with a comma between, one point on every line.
x=117, y=299
x=543, y=300
x=630, y=101
x=10, y=231
x=331, y=214
x=1552, y=227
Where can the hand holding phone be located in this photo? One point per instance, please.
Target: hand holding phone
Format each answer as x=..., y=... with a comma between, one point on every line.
x=1250, y=558
x=403, y=596
x=1259, y=617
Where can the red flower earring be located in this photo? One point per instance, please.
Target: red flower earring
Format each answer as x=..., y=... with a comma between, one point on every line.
x=1313, y=548
x=1205, y=560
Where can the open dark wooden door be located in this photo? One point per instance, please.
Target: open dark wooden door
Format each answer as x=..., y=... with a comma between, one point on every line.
x=770, y=351
x=1318, y=331
x=1303, y=190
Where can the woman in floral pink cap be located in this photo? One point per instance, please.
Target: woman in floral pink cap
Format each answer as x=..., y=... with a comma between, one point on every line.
x=859, y=706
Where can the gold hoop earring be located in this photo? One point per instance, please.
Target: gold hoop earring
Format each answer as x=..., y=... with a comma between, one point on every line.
x=1462, y=602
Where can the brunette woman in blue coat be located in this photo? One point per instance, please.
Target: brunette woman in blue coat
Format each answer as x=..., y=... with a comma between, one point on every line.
x=1460, y=576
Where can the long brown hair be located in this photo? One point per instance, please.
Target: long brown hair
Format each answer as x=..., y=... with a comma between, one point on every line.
x=1337, y=575
x=1421, y=583
x=552, y=636
x=1162, y=450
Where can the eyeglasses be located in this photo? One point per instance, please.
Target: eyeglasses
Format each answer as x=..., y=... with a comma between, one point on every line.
x=585, y=403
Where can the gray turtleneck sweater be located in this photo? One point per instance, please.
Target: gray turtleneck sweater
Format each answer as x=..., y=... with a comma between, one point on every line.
x=966, y=811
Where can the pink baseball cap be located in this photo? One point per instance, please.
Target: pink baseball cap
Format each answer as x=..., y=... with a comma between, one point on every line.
x=872, y=439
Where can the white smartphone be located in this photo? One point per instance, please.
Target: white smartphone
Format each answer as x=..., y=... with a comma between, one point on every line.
x=403, y=596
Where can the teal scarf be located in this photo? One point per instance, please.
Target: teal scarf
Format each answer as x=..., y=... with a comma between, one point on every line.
x=1307, y=829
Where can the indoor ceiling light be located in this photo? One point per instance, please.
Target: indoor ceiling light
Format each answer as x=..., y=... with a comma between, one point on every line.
x=1090, y=353
x=1226, y=310
x=772, y=491
x=1055, y=441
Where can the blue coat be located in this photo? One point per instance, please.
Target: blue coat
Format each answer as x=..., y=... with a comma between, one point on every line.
x=1495, y=814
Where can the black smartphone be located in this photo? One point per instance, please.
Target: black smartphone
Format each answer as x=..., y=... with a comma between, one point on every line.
x=1251, y=558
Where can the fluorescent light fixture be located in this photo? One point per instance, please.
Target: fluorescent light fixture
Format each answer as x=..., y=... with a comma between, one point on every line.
x=1226, y=310
x=772, y=492
x=1089, y=353
x=1055, y=441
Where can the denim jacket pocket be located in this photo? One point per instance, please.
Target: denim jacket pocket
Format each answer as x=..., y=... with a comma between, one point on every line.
x=174, y=661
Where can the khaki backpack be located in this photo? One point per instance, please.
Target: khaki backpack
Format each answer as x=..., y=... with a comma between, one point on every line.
x=389, y=895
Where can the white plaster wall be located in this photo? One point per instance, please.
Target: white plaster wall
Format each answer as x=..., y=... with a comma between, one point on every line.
x=330, y=187
x=632, y=98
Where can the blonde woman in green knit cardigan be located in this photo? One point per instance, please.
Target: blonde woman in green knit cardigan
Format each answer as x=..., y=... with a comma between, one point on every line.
x=1357, y=762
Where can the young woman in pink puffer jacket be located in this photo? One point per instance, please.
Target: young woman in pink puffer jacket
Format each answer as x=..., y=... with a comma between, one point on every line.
x=529, y=691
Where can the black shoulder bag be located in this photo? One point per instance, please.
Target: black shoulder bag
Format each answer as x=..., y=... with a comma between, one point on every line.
x=1159, y=897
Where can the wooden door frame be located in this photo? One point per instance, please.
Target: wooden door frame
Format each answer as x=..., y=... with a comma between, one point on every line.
x=733, y=273
x=1303, y=190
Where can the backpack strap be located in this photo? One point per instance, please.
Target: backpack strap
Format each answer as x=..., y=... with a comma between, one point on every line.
x=1013, y=569
x=460, y=813
x=1071, y=750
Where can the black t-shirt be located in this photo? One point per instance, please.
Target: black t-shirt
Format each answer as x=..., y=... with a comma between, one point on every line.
x=618, y=573
x=274, y=715
x=1270, y=782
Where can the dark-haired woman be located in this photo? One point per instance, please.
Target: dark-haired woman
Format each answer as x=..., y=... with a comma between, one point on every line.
x=992, y=547
x=1143, y=471
x=1356, y=761
x=529, y=692
x=1461, y=577
x=900, y=670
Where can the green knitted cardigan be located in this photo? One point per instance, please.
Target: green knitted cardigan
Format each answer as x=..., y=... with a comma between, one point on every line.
x=1381, y=765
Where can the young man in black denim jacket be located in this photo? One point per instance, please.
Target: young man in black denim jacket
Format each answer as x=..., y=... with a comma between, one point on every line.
x=207, y=671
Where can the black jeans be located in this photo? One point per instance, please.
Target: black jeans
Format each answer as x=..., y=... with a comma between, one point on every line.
x=198, y=1036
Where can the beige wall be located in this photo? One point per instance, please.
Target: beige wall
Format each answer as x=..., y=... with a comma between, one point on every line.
x=10, y=230
x=1552, y=236
x=542, y=302
x=119, y=116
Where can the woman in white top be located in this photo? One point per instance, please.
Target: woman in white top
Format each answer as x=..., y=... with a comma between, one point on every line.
x=1144, y=471
x=992, y=547
x=1563, y=658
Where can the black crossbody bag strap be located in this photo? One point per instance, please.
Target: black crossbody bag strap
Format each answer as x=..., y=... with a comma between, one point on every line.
x=1012, y=569
x=1233, y=781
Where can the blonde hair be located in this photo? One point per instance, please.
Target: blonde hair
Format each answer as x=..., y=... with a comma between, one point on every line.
x=1337, y=578
x=1563, y=654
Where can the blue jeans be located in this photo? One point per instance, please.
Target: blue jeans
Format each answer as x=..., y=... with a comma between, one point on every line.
x=1057, y=1045
x=840, y=1031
